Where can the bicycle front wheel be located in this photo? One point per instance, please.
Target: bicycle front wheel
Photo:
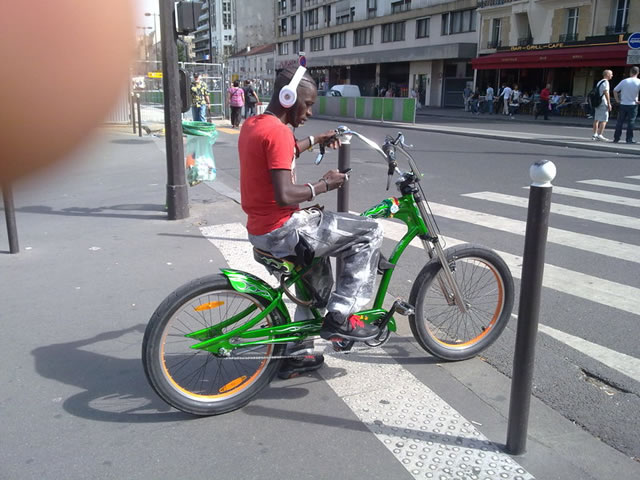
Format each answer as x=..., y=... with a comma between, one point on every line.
x=196, y=381
x=486, y=285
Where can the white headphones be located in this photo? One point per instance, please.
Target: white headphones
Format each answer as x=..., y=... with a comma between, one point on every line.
x=288, y=95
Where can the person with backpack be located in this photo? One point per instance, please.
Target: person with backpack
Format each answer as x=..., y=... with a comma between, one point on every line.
x=251, y=99
x=600, y=101
x=236, y=102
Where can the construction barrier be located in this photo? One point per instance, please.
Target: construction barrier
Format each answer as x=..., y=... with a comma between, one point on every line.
x=385, y=109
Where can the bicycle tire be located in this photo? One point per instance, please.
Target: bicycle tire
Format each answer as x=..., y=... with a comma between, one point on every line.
x=196, y=381
x=487, y=286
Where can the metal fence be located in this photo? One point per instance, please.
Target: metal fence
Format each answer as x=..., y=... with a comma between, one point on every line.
x=146, y=80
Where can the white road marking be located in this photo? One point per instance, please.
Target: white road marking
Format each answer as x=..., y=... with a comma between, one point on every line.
x=600, y=197
x=425, y=434
x=634, y=177
x=559, y=209
x=588, y=243
x=626, y=364
x=588, y=287
x=607, y=183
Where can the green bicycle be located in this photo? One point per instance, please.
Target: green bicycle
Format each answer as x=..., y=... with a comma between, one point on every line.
x=216, y=342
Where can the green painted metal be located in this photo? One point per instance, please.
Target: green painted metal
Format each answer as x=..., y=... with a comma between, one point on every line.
x=360, y=103
x=376, y=111
x=387, y=109
x=322, y=105
x=408, y=110
x=247, y=283
x=214, y=330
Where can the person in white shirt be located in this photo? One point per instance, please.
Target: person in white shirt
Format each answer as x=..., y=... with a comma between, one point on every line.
x=601, y=112
x=626, y=93
x=489, y=98
x=506, y=95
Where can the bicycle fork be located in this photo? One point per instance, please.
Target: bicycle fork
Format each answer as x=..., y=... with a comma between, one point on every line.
x=448, y=284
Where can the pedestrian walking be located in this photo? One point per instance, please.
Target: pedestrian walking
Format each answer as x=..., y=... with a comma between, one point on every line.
x=489, y=98
x=475, y=101
x=466, y=98
x=602, y=110
x=626, y=94
x=235, y=96
x=199, y=99
x=544, y=102
x=506, y=95
x=536, y=102
x=514, y=102
x=250, y=99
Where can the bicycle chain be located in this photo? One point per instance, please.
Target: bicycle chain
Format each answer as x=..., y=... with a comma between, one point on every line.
x=328, y=351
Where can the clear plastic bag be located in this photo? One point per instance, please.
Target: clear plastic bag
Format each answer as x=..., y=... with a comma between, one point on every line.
x=200, y=162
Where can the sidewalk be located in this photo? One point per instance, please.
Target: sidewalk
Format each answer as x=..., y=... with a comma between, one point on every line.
x=111, y=257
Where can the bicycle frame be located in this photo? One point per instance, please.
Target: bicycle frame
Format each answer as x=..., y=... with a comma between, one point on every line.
x=213, y=340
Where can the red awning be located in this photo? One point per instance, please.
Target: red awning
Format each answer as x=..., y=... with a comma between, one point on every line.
x=580, y=56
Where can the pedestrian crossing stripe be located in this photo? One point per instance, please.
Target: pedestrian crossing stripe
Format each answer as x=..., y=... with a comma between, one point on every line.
x=609, y=184
x=559, y=209
x=601, y=197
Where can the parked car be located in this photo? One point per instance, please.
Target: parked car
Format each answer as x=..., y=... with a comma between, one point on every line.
x=344, y=91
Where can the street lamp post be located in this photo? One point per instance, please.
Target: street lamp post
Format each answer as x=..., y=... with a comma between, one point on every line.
x=144, y=40
x=155, y=29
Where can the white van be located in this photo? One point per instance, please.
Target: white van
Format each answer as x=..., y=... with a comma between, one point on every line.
x=344, y=91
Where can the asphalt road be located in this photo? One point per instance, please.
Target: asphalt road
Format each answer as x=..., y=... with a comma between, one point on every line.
x=576, y=380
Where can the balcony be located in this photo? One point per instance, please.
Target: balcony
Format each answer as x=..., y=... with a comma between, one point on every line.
x=568, y=37
x=616, y=29
x=494, y=43
x=524, y=41
x=492, y=3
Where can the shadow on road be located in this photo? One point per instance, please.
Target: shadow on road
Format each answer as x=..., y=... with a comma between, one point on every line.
x=101, y=211
x=131, y=141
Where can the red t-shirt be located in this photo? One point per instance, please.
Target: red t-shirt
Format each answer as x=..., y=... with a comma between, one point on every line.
x=544, y=94
x=265, y=144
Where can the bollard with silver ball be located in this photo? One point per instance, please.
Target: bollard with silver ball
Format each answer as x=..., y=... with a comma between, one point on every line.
x=542, y=173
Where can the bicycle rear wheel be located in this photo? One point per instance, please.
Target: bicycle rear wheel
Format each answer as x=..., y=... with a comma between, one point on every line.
x=196, y=381
x=486, y=284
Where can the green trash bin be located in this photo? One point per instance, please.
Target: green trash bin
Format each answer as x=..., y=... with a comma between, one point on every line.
x=200, y=163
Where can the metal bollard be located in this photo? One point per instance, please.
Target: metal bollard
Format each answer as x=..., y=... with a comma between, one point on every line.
x=542, y=173
x=139, y=115
x=344, y=162
x=10, y=216
x=133, y=111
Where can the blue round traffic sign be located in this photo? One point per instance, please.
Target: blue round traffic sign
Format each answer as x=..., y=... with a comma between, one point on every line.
x=303, y=60
x=634, y=40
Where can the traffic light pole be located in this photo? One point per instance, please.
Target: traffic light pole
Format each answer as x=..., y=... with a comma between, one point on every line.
x=177, y=193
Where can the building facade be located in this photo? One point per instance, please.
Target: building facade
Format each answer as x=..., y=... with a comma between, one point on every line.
x=426, y=45
x=567, y=43
x=256, y=64
x=234, y=26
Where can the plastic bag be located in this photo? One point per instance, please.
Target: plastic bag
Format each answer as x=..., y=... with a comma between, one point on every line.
x=200, y=163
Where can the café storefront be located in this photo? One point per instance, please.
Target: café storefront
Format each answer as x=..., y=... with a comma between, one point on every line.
x=572, y=69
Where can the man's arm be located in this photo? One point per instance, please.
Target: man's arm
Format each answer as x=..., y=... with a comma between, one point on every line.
x=608, y=97
x=326, y=138
x=288, y=193
x=616, y=94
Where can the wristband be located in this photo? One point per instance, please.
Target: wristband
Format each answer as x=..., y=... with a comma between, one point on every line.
x=311, y=141
x=325, y=182
x=313, y=191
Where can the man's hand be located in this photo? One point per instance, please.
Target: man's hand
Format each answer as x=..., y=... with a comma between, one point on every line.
x=335, y=179
x=328, y=139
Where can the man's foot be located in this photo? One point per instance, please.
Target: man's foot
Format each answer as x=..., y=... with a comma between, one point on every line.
x=353, y=328
x=293, y=367
x=616, y=140
x=603, y=139
x=594, y=137
x=631, y=142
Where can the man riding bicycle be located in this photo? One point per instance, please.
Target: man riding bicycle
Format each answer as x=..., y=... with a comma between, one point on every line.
x=276, y=224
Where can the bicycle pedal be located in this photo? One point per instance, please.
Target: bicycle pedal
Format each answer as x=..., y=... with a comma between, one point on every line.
x=404, y=308
x=340, y=344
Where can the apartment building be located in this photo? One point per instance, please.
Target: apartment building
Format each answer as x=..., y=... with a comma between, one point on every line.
x=256, y=64
x=566, y=43
x=378, y=44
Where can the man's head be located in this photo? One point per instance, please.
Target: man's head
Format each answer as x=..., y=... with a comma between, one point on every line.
x=247, y=82
x=548, y=86
x=634, y=71
x=196, y=77
x=236, y=83
x=306, y=93
x=607, y=74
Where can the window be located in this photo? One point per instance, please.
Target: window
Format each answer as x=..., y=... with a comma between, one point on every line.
x=372, y=8
x=311, y=19
x=295, y=49
x=363, y=36
x=327, y=15
x=572, y=20
x=621, y=14
x=338, y=40
x=458, y=22
x=293, y=5
x=422, y=27
x=316, y=44
x=283, y=28
x=283, y=48
x=293, y=25
x=400, y=6
x=393, y=32
x=496, y=29
x=283, y=7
